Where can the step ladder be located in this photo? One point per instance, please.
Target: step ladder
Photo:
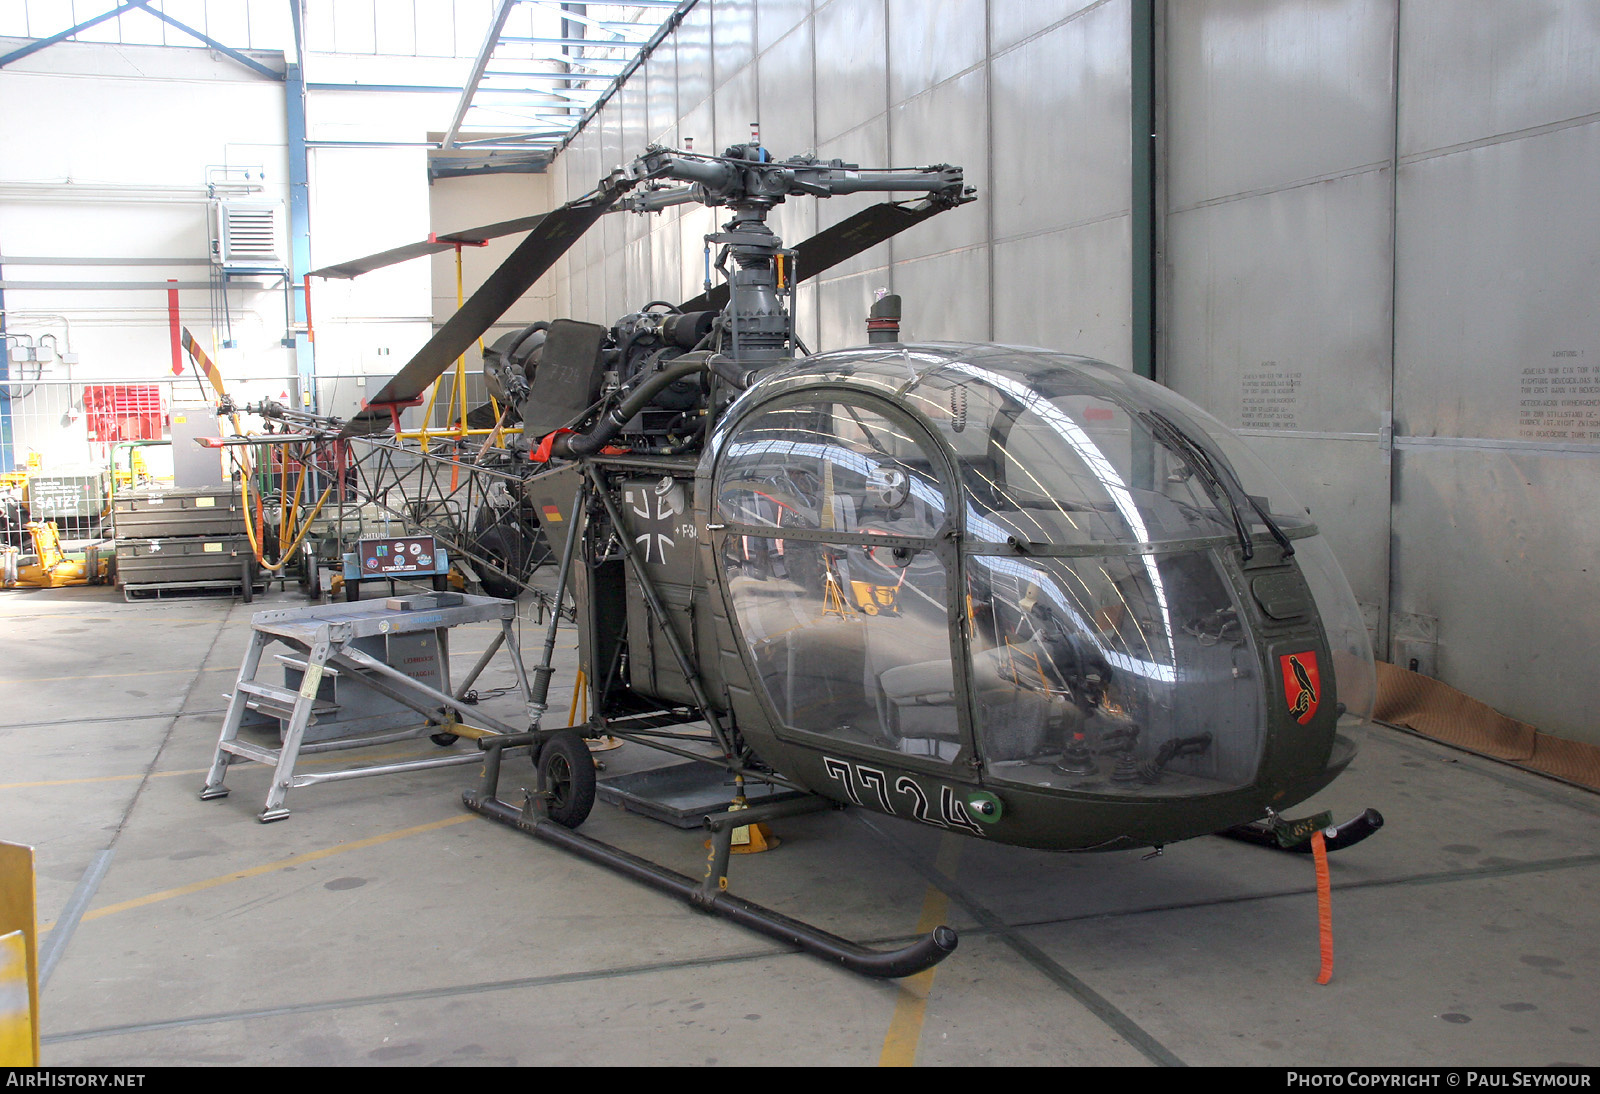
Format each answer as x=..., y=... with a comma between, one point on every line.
x=323, y=638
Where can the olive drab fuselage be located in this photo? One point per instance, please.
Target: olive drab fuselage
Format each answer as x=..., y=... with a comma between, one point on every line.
x=910, y=617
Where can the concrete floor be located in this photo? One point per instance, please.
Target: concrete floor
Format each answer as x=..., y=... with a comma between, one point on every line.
x=382, y=923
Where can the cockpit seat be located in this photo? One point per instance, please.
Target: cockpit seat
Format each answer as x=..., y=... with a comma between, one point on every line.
x=1014, y=722
x=922, y=699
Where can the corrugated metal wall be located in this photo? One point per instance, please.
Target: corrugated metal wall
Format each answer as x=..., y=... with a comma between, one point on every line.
x=1039, y=89
x=1365, y=208
x=1387, y=205
x=1497, y=350
x=1277, y=240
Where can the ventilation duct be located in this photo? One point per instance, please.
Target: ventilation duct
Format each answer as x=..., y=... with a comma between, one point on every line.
x=247, y=234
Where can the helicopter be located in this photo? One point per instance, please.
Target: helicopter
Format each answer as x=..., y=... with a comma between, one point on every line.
x=1011, y=593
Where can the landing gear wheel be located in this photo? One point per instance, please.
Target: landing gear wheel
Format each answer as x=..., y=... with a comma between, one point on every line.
x=443, y=740
x=568, y=776
x=310, y=579
x=503, y=547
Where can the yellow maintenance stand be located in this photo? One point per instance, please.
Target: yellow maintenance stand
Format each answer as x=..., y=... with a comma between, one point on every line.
x=49, y=566
x=19, y=959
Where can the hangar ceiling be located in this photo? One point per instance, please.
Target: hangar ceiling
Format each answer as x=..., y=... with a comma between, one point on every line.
x=530, y=72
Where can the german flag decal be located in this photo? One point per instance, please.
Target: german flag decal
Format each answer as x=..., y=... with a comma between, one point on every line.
x=551, y=513
x=1302, y=684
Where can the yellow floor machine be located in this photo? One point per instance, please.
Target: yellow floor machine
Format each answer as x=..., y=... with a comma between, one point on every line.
x=50, y=566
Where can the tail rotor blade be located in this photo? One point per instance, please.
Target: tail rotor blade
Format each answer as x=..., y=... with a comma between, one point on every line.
x=203, y=362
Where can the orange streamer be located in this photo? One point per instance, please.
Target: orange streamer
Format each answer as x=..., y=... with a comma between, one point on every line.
x=1319, y=852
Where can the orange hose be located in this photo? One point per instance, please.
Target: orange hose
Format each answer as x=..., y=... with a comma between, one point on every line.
x=261, y=515
x=1319, y=853
x=255, y=542
x=292, y=511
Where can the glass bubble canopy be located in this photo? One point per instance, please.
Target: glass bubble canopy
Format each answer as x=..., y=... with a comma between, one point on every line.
x=947, y=551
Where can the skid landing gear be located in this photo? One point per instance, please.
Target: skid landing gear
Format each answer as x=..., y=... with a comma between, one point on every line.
x=1287, y=835
x=539, y=817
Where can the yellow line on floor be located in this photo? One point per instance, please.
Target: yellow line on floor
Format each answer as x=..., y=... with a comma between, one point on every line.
x=98, y=779
x=382, y=757
x=112, y=675
x=905, y=1028
x=271, y=867
x=68, y=617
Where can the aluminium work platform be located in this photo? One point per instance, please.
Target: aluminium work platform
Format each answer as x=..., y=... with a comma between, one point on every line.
x=327, y=637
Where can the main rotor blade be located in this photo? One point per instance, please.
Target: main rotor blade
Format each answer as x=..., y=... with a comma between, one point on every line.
x=432, y=245
x=842, y=242
x=550, y=239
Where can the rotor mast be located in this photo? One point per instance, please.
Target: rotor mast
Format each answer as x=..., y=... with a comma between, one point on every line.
x=749, y=182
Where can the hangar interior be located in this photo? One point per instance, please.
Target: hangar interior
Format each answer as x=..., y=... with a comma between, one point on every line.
x=1353, y=232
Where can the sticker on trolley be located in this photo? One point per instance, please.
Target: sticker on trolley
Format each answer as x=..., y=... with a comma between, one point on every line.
x=393, y=557
x=1302, y=684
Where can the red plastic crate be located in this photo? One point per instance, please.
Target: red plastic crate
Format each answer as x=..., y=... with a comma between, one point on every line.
x=124, y=412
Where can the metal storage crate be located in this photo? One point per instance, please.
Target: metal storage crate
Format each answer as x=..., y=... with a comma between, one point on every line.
x=187, y=564
x=188, y=512
x=73, y=501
